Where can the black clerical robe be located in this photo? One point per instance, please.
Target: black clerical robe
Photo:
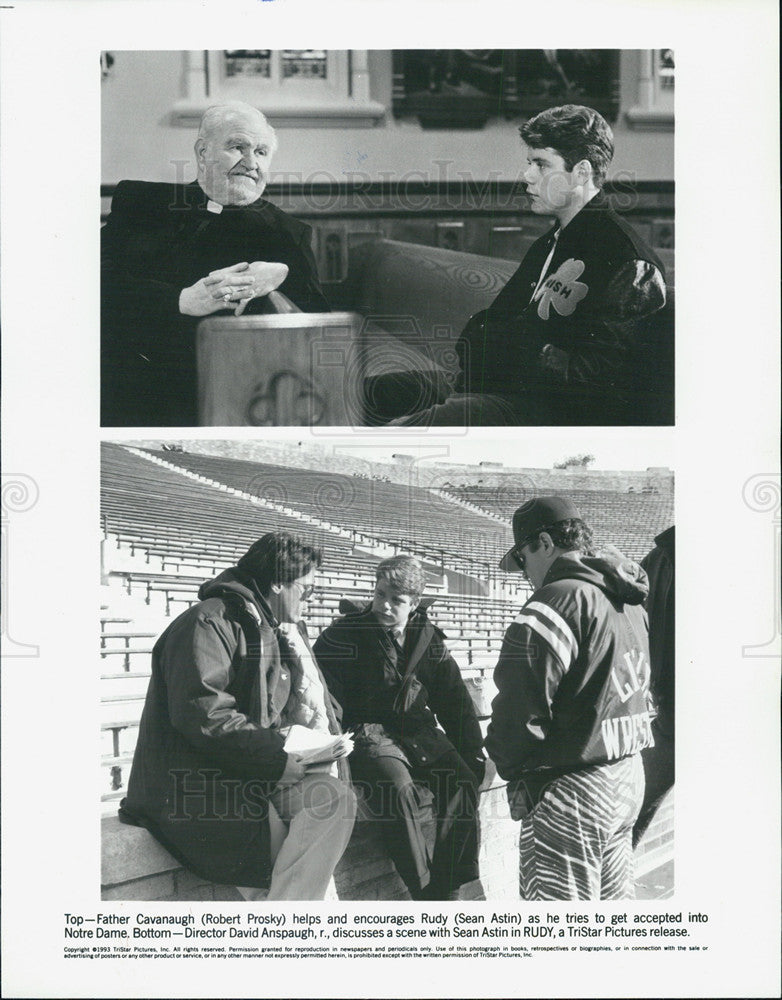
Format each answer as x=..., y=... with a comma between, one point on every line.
x=159, y=239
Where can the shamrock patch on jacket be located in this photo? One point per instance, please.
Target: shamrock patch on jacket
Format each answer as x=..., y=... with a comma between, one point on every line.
x=562, y=290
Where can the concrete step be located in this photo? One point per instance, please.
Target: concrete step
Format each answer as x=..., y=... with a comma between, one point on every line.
x=119, y=710
x=110, y=623
x=137, y=615
x=118, y=739
x=127, y=685
x=127, y=638
x=109, y=802
x=125, y=660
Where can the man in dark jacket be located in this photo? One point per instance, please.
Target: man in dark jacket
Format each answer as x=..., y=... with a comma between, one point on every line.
x=572, y=712
x=660, y=759
x=388, y=666
x=172, y=254
x=559, y=343
x=228, y=675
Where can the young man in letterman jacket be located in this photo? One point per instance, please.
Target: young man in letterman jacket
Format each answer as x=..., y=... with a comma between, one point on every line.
x=557, y=344
x=573, y=712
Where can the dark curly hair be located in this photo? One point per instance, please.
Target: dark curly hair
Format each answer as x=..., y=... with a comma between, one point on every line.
x=278, y=557
x=571, y=535
x=576, y=133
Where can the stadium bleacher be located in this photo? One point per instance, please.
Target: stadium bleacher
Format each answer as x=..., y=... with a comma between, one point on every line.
x=409, y=517
x=627, y=520
x=174, y=519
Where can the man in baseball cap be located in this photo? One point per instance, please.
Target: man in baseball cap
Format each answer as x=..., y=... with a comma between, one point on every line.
x=532, y=518
x=572, y=712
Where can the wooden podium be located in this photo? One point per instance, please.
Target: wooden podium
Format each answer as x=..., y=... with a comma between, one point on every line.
x=277, y=370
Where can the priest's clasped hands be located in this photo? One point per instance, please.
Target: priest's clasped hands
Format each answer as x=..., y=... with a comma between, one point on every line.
x=232, y=286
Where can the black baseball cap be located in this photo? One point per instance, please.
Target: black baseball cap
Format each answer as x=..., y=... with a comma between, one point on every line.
x=535, y=516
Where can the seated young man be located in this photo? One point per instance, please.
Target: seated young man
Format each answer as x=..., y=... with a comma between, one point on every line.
x=559, y=344
x=389, y=668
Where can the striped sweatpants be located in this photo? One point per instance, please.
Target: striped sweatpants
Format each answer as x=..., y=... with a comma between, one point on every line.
x=577, y=841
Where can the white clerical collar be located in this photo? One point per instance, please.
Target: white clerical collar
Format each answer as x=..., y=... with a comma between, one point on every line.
x=213, y=206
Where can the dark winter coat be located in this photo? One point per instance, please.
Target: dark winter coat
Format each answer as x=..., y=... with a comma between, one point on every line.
x=573, y=673
x=367, y=675
x=661, y=608
x=209, y=748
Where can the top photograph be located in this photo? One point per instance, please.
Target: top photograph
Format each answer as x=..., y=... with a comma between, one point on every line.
x=375, y=238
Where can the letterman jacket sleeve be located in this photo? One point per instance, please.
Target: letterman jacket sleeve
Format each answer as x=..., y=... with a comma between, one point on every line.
x=538, y=649
x=636, y=291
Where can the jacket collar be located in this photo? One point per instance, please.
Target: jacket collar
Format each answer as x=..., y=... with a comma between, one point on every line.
x=583, y=217
x=261, y=603
x=234, y=583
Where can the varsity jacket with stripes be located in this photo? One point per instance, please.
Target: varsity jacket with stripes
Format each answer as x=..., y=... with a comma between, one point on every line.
x=573, y=673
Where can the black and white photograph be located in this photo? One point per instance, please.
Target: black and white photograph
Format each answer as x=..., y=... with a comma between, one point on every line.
x=391, y=502
x=374, y=237
x=259, y=599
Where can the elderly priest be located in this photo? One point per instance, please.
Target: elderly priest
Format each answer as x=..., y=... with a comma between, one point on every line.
x=174, y=253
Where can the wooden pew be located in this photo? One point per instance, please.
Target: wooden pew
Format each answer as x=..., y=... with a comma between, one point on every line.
x=406, y=306
x=409, y=305
x=295, y=369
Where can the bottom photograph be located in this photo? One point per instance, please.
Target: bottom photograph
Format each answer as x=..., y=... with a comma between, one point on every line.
x=404, y=678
